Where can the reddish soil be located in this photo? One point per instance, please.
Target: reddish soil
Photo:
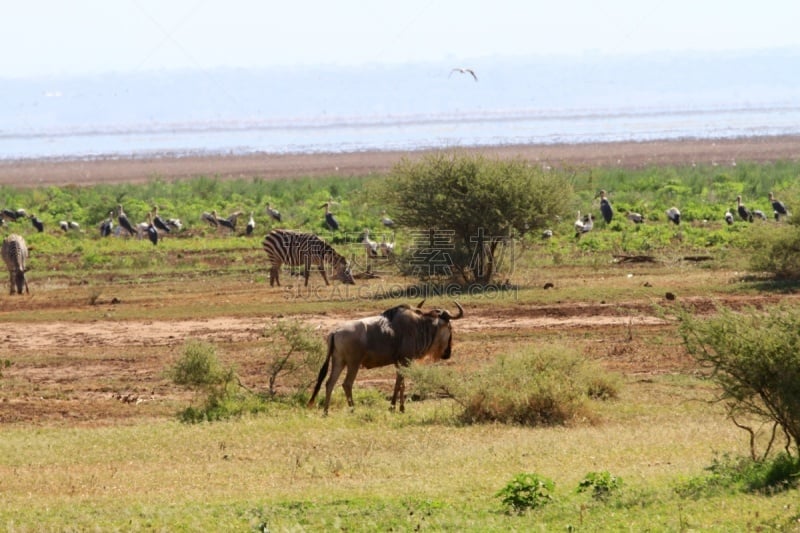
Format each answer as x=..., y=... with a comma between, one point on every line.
x=108, y=370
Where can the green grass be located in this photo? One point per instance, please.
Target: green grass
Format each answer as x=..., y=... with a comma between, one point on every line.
x=291, y=469
x=372, y=469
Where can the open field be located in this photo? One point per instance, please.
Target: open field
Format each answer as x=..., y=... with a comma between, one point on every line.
x=91, y=439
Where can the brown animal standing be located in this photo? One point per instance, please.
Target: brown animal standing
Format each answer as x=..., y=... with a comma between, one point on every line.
x=395, y=337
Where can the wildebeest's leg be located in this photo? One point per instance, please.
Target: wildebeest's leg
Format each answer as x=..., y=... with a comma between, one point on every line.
x=322, y=371
x=336, y=370
x=349, y=379
x=399, y=390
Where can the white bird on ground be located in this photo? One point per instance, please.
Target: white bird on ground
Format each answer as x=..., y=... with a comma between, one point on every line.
x=579, y=223
x=636, y=218
x=274, y=213
x=251, y=225
x=386, y=221
x=729, y=217
x=387, y=248
x=370, y=246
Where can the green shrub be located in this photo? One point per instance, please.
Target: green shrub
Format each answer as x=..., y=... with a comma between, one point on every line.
x=754, y=356
x=298, y=351
x=526, y=491
x=601, y=484
x=777, y=252
x=729, y=474
x=549, y=386
x=200, y=370
x=199, y=367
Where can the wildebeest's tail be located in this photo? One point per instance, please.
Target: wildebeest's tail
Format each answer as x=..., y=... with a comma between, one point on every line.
x=322, y=371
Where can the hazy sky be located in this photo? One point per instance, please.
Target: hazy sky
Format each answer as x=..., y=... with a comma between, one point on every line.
x=48, y=37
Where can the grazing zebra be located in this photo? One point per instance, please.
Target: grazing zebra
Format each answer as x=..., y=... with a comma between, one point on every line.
x=304, y=249
x=15, y=256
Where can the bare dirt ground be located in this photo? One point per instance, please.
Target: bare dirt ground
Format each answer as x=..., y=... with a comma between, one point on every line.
x=109, y=370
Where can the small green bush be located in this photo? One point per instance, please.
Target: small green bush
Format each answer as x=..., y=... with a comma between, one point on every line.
x=199, y=367
x=526, y=491
x=601, y=484
x=297, y=350
x=729, y=474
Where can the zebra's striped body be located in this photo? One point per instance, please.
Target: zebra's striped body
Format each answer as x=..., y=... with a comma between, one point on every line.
x=15, y=256
x=304, y=249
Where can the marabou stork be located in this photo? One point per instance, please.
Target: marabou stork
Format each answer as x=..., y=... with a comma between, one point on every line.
x=107, y=226
x=152, y=232
x=122, y=218
x=37, y=223
x=330, y=220
x=778, y=207
x=742, y=210
x=674, y=215
x=605, y=207
x=159, y=222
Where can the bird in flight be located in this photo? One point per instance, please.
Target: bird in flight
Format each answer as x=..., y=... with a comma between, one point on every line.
x=464, y=71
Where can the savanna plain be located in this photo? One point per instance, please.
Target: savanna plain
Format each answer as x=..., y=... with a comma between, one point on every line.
x=90, y=425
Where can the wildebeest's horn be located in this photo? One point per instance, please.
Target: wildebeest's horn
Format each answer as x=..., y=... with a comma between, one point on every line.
x=419, y=305
x=447, y=316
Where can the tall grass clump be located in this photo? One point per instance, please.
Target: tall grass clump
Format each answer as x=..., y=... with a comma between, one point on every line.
x=777, y=252
x=222, y=395
x=551, y=386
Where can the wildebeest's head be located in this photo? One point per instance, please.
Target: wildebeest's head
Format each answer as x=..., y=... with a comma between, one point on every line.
x=441, y=346
x=423, y=333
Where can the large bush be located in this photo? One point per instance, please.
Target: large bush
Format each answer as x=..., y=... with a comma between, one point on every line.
x=543, y=387
x=778, y=252
x=754, y=356
x=471, y=205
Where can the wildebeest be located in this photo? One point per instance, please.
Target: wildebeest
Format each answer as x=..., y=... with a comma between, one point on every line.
x=395, y=337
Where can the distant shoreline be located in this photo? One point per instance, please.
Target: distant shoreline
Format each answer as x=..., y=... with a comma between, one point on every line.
x=632, y=154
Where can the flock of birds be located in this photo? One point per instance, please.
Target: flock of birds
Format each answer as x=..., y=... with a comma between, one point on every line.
x=118, y=223
x=585, y=224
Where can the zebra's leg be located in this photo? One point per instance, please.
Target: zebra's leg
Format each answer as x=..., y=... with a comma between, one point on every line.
x=307, y=270
x=25, y=281
x=273, y=276
x=324, y=276
x=11, y=281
